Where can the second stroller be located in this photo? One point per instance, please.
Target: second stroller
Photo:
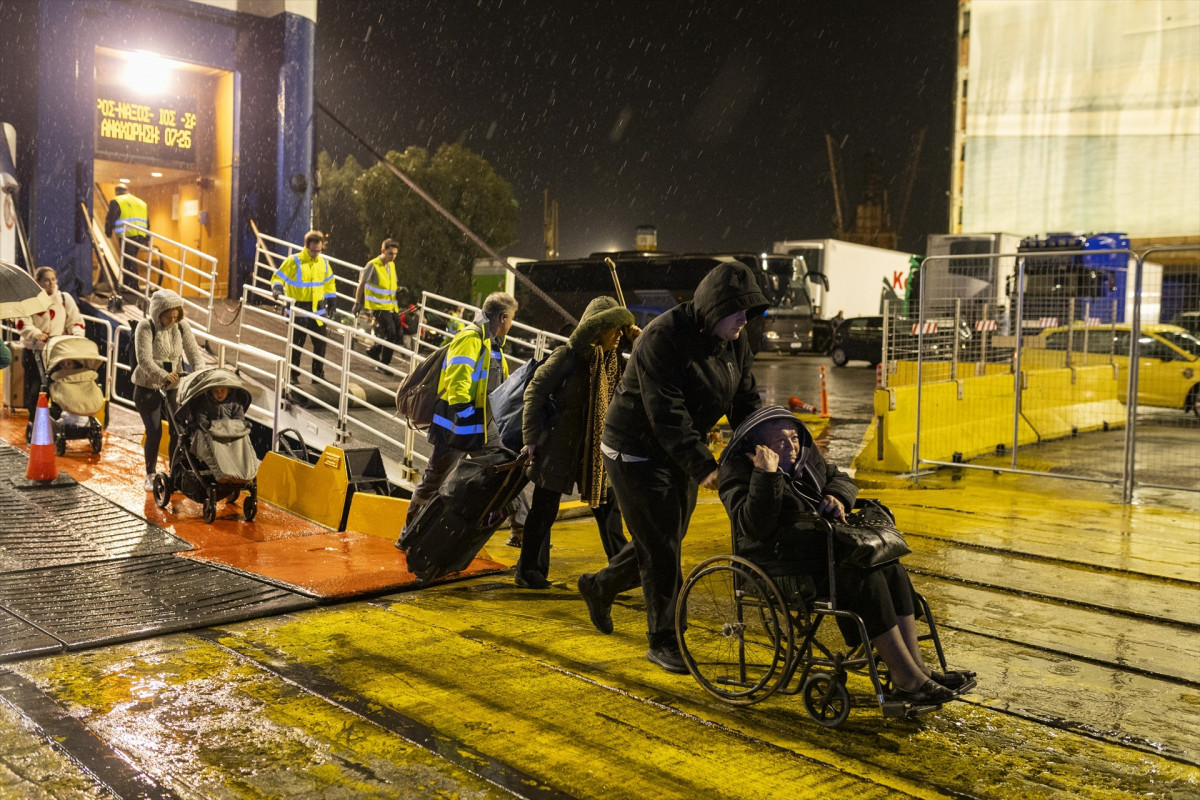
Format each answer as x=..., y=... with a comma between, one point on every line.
x=213, y=459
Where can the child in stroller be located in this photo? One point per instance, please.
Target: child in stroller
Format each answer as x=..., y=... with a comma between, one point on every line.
x=213, y=457
x=70, y=368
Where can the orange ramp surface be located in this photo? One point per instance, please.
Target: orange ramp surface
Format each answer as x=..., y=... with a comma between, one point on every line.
x=277, y=546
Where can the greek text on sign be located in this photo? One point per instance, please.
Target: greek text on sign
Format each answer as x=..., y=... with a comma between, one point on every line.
x=161, y=130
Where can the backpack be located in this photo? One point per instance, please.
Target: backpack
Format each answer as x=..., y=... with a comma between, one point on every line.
x=508, y=403
x=418, y=392
x=133, y=361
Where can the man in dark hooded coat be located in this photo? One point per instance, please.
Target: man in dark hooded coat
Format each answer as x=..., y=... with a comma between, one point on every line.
x=690, y=367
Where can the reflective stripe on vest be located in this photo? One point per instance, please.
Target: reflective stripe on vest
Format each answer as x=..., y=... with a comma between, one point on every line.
x=307, y=292
x=133, y=210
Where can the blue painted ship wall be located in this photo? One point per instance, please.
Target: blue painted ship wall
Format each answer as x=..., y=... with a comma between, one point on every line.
x=47, y=91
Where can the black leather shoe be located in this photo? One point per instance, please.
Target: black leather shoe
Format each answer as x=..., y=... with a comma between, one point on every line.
x=930, y=693
x=530, y=580
x=598, y=609
x=956, y=680
x=668, y=657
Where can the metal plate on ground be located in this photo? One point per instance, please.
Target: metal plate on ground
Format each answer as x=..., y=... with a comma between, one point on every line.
x=19, y=639
x=72, y=525
x=135, y=598
x=12, y=460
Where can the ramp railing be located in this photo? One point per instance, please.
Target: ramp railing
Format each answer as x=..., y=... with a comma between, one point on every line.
x=166, y=263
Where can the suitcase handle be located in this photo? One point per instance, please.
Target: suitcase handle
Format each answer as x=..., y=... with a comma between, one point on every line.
x=495, y=469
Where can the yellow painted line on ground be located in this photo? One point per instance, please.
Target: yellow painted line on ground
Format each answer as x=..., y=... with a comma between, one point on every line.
x=31, y=769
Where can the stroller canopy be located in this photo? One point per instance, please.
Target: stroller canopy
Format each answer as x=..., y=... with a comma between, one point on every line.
x=196, y=384
x=72, y=348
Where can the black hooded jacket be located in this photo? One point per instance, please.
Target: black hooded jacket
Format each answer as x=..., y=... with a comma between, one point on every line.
x=681, y=379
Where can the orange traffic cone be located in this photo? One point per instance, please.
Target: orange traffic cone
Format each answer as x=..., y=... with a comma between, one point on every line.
x=41, y=453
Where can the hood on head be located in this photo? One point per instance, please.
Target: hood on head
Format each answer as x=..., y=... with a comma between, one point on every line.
x=602, y=314
x=163, y=300
x=744, y=435
x=728, y=288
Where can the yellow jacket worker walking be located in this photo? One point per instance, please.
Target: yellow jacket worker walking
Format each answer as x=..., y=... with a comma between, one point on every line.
x=307, y=278
x=377, y=289
x=129, y=217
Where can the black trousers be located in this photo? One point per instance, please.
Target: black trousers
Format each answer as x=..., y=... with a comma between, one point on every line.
x=33, y=380
x=535, y=542
x=149, y=404
x=387, y=327
x=135, y=251
x=656, y=501
x=308, y=326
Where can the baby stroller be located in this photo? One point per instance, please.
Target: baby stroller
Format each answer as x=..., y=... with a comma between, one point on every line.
x=213, y=458
x=69, y=367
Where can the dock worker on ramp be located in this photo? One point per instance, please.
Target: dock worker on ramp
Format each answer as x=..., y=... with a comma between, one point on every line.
x=307, y=278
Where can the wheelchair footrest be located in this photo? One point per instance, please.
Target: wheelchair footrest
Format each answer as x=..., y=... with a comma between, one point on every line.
x=898, y=709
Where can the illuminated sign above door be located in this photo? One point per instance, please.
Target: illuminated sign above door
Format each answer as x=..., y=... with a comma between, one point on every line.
x=161, y=130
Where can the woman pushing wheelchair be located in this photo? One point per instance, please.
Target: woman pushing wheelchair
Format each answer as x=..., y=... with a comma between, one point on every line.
x=779, y=493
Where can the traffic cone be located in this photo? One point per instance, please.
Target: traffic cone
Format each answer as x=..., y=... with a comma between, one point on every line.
x=41, y=452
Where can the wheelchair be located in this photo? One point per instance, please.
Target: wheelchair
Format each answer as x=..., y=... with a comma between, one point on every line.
x=747, y=632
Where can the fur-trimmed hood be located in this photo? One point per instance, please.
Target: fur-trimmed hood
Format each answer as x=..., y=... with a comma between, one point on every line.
x=602, y=314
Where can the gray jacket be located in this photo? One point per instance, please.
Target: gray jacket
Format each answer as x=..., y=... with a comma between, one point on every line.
x=159, y=348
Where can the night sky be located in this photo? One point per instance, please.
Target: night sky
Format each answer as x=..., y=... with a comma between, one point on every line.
x=706, y=119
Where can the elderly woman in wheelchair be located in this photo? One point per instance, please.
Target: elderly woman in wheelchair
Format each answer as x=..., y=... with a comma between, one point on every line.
x=749, y=622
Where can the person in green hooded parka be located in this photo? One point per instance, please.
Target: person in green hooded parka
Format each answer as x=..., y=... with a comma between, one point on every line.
x=562, y=421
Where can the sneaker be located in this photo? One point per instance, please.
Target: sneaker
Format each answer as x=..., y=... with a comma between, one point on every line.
x=149, y=484
x=668, y=657
x=514, y=538
x=598, y=609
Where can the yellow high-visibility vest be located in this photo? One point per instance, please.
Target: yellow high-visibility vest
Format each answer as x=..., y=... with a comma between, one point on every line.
x=380, y=294
x=133, y=210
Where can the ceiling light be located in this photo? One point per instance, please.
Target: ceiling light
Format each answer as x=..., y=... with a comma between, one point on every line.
x=124, y=180
x=155, y=174
x=147, y=73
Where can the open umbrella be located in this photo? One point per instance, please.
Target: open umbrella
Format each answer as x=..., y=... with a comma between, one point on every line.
x=20, y=295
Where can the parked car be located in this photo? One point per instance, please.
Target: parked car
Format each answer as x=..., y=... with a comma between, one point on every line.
x=1168, y=363
x=861, y=339
x=857, y=339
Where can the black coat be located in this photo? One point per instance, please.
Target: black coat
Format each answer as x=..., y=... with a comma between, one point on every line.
x=773, y=514
x=554, y=419
x=681, y=379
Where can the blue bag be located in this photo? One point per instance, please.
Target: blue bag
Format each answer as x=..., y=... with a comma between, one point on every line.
x=508, y=403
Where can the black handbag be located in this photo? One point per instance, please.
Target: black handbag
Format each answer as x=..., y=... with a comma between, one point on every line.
x=868, y=538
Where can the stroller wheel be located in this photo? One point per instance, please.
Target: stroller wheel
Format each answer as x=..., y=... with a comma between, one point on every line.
x=250, y=507
x=28, y=432
x=97, y=440
x=162, y=491
x=210, y=509
x=60, y=445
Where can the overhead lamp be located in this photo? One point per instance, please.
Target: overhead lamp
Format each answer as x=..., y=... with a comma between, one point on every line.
x=155, y=174
x=147, y=73
x=124, y=180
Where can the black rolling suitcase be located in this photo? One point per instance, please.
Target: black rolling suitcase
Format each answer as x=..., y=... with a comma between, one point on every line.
x=456, y=522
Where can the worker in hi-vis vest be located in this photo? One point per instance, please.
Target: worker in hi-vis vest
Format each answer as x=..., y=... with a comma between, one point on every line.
x=307, y=278
x=377, y=293
x=129, y=217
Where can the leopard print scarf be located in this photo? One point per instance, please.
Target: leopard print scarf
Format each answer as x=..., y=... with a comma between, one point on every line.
x=603, y=374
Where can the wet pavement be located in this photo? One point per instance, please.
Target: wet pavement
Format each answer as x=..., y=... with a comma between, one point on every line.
x=1082, y=618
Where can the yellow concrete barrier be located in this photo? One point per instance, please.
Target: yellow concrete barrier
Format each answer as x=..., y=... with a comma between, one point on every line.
x=965, y=419
x=377, y=515
x=316, y=492
x=904, y=373
x=1065, y=401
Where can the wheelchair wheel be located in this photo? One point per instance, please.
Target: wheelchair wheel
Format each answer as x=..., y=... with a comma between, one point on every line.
x=826, y=698
x=734, y=630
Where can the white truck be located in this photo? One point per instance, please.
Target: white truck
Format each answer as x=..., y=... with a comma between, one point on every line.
x=854, y=279
x=968, y=269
